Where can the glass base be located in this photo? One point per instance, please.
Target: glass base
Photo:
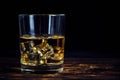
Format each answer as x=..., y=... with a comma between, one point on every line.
x=42, y=69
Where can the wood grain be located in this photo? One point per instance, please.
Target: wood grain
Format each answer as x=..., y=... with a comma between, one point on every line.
x=74, y=68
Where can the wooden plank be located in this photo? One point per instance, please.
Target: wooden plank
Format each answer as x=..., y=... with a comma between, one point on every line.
x=74, y=68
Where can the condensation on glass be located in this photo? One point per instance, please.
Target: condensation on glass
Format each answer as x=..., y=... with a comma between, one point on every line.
x=42, y=42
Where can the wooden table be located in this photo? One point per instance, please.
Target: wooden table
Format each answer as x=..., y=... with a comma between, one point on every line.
x=74, y=68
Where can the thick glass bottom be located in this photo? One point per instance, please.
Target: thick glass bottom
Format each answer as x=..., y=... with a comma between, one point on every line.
x=42, y=69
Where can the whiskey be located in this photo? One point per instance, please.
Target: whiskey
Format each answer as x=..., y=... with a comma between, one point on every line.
x=42, y=53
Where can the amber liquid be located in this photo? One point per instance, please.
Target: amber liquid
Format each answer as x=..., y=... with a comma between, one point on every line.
x=42, y=53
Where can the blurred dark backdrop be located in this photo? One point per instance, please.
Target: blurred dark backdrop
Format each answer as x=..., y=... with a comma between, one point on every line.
x=91, y=29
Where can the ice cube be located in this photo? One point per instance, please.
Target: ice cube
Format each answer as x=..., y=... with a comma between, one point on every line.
x=41, y=62
x=45, y=49
x=24, y=58
x=59, y=53
x=58, y=56
x=31, y=44
x=39, y=52
x=33, y=50
x=22, y=47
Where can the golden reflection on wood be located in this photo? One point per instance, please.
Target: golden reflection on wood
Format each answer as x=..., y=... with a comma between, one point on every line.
x=73, y=69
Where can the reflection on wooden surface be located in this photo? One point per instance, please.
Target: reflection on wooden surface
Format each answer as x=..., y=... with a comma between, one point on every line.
x=82, y=69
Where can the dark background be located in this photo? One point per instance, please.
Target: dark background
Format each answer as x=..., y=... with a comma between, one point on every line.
x=91, y=26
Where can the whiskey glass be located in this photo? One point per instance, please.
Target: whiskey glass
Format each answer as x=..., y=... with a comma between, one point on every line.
x=42, y=42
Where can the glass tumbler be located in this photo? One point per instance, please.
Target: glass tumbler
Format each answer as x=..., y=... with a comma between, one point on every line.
x=42, y=42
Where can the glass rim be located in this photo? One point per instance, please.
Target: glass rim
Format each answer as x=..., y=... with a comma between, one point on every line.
x=41, y=14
